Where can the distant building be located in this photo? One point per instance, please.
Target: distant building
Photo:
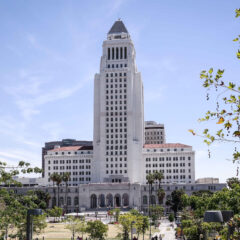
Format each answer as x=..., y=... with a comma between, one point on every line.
x=63, y=143
x=154, y=133
x=176, y=161
x=207, y=180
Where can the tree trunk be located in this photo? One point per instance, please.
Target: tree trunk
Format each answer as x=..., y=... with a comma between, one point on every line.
x=66, y=197
x=58, y=195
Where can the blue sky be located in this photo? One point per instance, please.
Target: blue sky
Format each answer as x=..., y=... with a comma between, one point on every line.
x=50, y=51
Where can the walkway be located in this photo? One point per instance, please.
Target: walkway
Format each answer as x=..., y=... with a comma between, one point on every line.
x=167, y=232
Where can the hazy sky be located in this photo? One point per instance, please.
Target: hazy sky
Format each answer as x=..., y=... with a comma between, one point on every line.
x=50, y=51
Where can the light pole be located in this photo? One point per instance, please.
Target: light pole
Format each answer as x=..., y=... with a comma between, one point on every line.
x=131, y=229
x=30, y=213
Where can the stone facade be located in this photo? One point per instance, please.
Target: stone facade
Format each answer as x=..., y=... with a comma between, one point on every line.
x=104, y=196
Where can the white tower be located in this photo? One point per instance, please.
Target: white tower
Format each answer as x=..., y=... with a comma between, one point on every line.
x=118, y=111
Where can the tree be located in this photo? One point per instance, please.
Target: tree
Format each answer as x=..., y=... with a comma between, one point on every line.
x=97, y=229
x=14, y=207
x=75, y=225
x=57, y=178
x=116, y=212
x=175, y=201
x=150, y=180
x=231, y=182
x=171, y=217
x=227, y=112
x=126, y=222
x=160, y=195
x=53, y=177
x=65, y=179
x=159, y=177
x=156, y=212
x=42, y=198
x=142, y=224
x=55, y=212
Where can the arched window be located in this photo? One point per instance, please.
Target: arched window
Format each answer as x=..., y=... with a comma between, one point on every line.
x=121, y=52
x=109, y=202
x=117, y=53
x=145, y=199
x=93, y=201
x=112, y=53
x=125, y=52
x=69, y=201
x=76, y=201
x=125, y=200
x=108, y=53
x=61, y=201
x=153, y=199
x=101, y=199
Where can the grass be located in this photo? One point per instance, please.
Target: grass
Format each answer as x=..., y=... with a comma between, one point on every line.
x=57, y=231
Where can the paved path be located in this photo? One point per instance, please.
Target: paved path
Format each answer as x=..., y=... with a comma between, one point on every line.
x=167, y=232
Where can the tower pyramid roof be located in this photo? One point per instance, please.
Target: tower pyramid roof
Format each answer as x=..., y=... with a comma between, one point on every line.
x=118, y=27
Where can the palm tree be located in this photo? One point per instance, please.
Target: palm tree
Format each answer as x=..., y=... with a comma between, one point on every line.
x=158, y=176
x=160, y=193
x=53, y=178
x=150, y=180
x=66, y=178
x=58, y=182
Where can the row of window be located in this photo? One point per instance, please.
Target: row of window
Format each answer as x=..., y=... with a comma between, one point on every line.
x=116, y=153
x=116, y=141
x=70, y=161
x=155, y=159
x=116, y=91
x=116, y=130
x=117, y=113
x=116, y=165
x=70, y=167
x=116, y=159
x=81, y=173
x=117, y=53
x=87, y=152
x=116, y=74
x=167, y=165
x=117, y=65
x=115, y=172
x=116, y=147
x=116, y=125
x=153, y=133
x=116, y=109
x=168, y=150
x=116, y=119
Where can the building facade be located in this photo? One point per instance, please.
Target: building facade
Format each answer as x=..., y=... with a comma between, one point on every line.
x=63, y=143
x=176, y=161
x=154, y=133
x=77, y=160
x=118, y=111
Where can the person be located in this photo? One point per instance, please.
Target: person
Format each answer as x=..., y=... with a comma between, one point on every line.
x=78, y=238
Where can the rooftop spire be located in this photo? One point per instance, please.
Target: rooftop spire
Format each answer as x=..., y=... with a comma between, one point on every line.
x=118, y=27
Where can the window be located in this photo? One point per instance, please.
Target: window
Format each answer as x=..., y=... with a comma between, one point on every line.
x=108, y=53
x=125, y=52
x=112, y=53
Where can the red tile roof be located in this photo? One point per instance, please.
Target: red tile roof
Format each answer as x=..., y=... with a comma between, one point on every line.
x=72, y=148
x=166, y=145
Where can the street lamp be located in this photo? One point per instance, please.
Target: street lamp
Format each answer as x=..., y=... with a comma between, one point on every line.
x=131, y=229
x=30, y=213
